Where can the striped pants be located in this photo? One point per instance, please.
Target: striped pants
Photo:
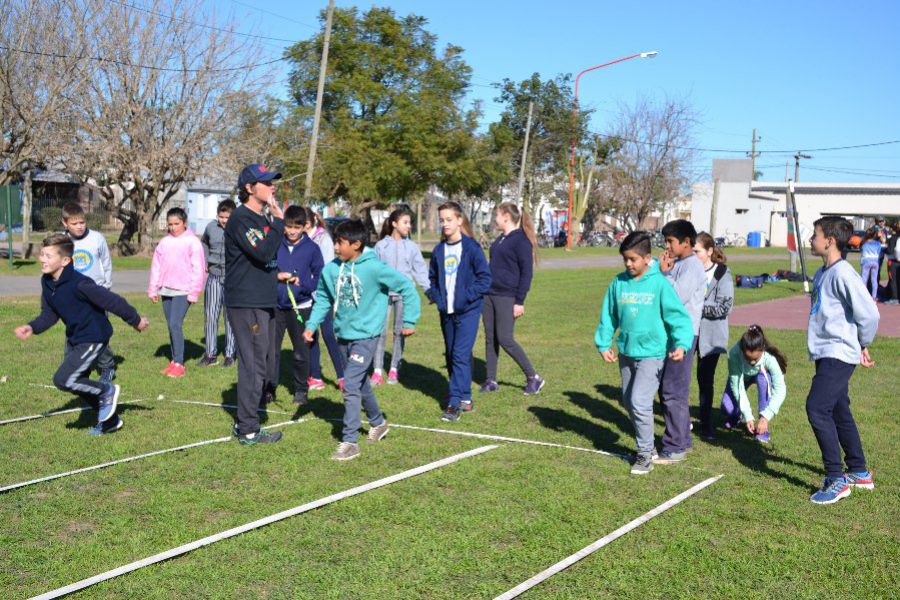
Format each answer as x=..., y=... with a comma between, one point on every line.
x=213, y=304
x=72, y=373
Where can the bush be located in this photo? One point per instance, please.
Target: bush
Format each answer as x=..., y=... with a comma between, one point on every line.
x=51, y=219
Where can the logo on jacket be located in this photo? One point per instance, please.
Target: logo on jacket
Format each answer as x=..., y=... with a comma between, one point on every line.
x=254, y=236
x=82, y=260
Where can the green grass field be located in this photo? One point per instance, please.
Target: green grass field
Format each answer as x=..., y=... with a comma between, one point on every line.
x=472, y=529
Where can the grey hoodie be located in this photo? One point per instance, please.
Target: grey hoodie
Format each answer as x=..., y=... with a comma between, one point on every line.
x=213, y=241
x=406, y=257
x=716, y=308
x=843, y=318
x=689, y=279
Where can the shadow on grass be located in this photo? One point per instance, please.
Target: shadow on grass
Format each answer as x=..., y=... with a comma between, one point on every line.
x=601, y=436
x=425, y=380
x=88, y=418
x=229, y=401
x=192, y=351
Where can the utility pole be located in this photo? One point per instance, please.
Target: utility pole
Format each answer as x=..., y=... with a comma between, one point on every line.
x=797, y=158
x=314, y=139
x=753, y=155
x=525, y=152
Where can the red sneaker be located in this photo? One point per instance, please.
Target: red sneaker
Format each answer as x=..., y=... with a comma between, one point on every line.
x=177, y=370
x=341, y=384
x=168, y=368
x=315, y=384
x=377, y=379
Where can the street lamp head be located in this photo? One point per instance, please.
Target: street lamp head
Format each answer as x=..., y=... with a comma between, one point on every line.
x=650, y=54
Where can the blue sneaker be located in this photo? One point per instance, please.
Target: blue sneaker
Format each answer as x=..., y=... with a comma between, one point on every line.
x=860, y=479
x=108, y=402
x=833, y=489
x=763, y=438
x=534, y=385
x=451, y=414
x=109, y=426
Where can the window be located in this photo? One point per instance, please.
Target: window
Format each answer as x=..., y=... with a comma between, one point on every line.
x=741, y=211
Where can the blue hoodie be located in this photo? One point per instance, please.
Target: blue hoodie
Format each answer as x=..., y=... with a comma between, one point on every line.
x=304, y=259
x=473, y=278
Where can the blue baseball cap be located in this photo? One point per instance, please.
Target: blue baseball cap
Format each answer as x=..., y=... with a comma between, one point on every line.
x=256, y=172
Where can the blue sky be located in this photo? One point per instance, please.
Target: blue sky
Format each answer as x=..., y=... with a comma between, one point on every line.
x=805, y=74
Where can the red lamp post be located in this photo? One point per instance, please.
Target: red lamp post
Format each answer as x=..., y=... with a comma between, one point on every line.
x=575, y=123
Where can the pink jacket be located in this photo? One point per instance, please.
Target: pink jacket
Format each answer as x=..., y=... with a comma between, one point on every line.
x=178, y=263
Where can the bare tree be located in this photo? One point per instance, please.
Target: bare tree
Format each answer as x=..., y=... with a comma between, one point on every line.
x=652, y=162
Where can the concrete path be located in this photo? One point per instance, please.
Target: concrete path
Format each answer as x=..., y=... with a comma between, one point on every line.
x=793, y=313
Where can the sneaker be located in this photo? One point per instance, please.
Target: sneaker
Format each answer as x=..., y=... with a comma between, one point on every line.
x=208, y=361
x=534, y=385
x=668, y=458
x=376, y=434
x=168, y=368
x=262, y=436
x=490, y=386
x=451, y=414
x=236, y=430
x=341, y=384
x=108, y=426
x=833, y=489
x=315, y=384
x=346, y=451
x=377, y=379
x=763, y=438
x=228, y=362
x=893, y=302
x=176, y=371
x=108, y=402
x=300, y=399
x=466, y=406
x=643, y=464
x=393, y=377
x=107, y=375
x=861, y=479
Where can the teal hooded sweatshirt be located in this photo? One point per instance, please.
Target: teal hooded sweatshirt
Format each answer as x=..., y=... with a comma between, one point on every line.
x=648, y=314
x=356, y=292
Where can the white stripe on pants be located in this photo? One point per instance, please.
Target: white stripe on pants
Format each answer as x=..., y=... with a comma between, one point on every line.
x=213, y=306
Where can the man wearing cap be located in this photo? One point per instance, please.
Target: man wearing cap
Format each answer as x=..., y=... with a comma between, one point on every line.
x=251, y=292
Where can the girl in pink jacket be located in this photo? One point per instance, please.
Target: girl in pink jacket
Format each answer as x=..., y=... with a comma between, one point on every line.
x=177, y=274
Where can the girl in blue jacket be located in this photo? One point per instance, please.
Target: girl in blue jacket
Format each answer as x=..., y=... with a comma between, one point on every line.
x=459, y=277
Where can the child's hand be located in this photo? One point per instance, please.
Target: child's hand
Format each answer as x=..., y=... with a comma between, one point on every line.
x=308, y=335
x=143, y=324
x=518, y=311
x=763, y=426
x=677, y=354
x=154, y=299
x=408, y=331
x=751, y=427
x=608, y=355
x=24, y=332
x=866, y=360
x=666, y=262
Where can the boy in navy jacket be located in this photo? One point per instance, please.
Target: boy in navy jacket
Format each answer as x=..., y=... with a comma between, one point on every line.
x=300, y=264
x=81, y=304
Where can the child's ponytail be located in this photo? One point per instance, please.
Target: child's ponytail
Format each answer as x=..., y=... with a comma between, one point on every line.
x=754, y=339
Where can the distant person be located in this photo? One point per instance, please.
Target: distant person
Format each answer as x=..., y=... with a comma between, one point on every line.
x=82, y=305
x=213, y=241
x=881, y=234
x=252, y=240
x=870, y=261
x=842, y=325
x=753, y=360
x=177, y=273
x=894, y=265
x=653, y=325
x=355, y=289
x=91, y=258
x=396, y=249
x=712, y=340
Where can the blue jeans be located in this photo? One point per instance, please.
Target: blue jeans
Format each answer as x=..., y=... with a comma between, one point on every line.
x=175, y=308
x=460, y=331
x=870, y=271
x=357, y=356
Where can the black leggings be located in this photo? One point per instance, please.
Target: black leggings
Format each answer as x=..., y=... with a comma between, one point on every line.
x=706, y=379
x=499, y=323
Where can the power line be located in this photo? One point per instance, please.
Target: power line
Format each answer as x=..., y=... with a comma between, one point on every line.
x=744, y=151
x=275, y=14
x=852, y=172
x=149, y=67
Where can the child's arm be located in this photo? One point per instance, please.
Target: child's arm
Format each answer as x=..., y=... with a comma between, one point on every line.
x=42, y=323
x=109, y=301
x=433, y=291
x=105, y=261
x=609, y=322
x=483, y=280
x=525, y=261
x=198, y=270
x=393, y=280
x=853, y=294
x=724, y=300
x=736, y=382
x=309, y=284
x=420, y=270
x=323, y=303
x=155, y=275
x=778, y=392
x=677, y=322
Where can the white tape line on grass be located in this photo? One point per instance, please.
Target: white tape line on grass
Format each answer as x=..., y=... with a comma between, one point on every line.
x=220, y=405
x=131, y=459
x=62, y=412
x=574, y=558
x=80, y=585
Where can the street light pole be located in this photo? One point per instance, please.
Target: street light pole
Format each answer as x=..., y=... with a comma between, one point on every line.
x=575, y=133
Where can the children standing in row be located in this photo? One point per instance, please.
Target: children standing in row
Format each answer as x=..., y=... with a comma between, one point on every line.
x=176, y=274
x=81, y=304
x=396, y=249
x=513, y=255
x=355, y=290
x=299, y=266
x=713, y=338
x=754, y=360
x=684, y=270
x=213, y=242
x=459, y=277
x=91, y=258
x=842, y=323
x=653, y=327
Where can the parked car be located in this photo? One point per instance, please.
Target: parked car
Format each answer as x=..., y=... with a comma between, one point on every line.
x=856, y=240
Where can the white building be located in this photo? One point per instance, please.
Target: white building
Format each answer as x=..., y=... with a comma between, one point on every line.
x=734, y=204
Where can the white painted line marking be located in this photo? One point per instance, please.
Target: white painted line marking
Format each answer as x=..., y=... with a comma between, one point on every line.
x=63, y=412
x=220, y=405
x=130, y=459
x=184, y=549
x=587, y=550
